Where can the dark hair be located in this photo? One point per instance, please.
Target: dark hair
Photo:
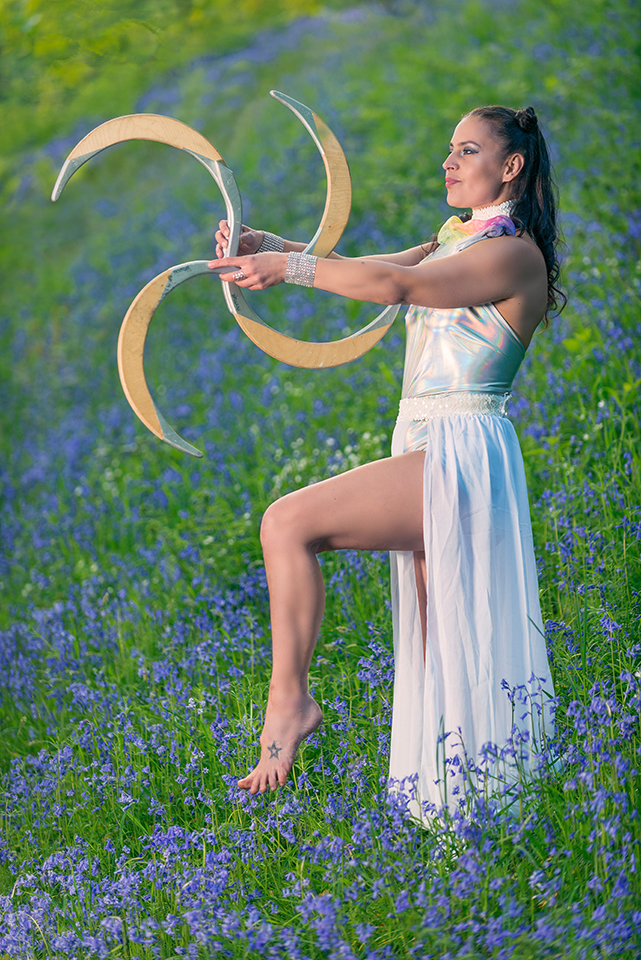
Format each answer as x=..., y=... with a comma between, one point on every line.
x=534, y=190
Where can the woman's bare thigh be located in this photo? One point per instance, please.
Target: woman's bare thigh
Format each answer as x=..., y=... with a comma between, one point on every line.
x=378, y=506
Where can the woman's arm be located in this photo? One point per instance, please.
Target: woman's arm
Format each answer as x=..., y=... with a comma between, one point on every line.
x=250, y=241
x=489, y=271
x=404, y=258
x=492, y=270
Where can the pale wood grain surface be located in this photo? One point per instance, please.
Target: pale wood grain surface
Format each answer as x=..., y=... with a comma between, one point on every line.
x=131, y=349
x=338, y=203
x=145, y=126
x=304, y=353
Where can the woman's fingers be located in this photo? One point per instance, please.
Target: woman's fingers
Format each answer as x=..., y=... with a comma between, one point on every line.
x=222, y=235
x=234, y=264
x=255, y=272
x=249, y=242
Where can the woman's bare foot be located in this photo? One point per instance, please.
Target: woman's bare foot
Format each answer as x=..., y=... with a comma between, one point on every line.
x=287, y=724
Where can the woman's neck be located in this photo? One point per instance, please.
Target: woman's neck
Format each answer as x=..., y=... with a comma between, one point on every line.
x=494, y=210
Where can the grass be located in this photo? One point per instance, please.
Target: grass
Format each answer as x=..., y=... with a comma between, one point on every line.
x=134, y=651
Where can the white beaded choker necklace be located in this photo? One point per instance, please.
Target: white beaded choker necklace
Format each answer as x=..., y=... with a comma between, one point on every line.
x=495, y=210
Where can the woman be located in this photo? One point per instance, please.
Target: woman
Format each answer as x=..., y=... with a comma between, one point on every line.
x=450, y=503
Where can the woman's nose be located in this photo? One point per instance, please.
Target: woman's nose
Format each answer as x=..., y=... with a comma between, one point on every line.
x=449, y=162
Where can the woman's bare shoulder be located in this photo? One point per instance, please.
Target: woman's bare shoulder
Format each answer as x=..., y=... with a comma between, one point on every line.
x=518, y=253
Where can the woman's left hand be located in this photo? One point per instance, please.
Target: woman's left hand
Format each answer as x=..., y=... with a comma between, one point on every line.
x=254, y=273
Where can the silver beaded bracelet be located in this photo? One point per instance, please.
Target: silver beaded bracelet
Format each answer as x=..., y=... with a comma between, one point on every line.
x=301, y=269
x=271, y=243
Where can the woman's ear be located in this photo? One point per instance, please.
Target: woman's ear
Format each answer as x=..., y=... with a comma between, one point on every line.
x=513, y=166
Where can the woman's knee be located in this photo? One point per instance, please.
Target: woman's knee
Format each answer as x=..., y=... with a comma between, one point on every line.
x=282, y=523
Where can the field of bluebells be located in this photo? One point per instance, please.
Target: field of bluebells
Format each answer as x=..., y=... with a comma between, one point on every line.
x=134, y=637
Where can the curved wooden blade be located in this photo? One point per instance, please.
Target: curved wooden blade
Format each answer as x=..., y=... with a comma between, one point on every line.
x=131, y=350
x=338, y=203
x=308, y=353
x=133, y=331
x=135, y=126
x=301, y=353
x=135, y=325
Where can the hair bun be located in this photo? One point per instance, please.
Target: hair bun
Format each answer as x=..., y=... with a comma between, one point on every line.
x=527, y=120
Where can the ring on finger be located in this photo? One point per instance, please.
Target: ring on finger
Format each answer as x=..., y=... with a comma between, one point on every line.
x=239, y=276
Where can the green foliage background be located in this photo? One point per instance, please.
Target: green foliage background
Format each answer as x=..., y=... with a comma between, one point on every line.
x=65, y=60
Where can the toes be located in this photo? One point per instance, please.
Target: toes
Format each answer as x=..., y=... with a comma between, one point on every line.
x=258, y=781
x=266, y=774
x=248, y=783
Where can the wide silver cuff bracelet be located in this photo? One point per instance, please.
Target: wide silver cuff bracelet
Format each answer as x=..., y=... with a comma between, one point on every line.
x=271, y=244
x=301, y=268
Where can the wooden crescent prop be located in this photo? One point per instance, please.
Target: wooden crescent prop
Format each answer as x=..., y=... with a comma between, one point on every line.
x=133, y=332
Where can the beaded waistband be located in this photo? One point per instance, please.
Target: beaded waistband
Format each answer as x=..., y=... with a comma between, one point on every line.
x=453, y=404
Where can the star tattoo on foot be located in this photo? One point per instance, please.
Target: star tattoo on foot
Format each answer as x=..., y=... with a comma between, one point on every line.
x=274, y=750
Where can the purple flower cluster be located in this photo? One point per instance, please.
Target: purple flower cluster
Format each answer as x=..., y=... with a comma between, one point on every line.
x=132, y=830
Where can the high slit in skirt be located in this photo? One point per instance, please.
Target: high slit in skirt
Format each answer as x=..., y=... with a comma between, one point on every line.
x=467, y=703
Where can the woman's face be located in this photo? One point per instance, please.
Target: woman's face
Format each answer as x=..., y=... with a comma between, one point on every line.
x=476, y=172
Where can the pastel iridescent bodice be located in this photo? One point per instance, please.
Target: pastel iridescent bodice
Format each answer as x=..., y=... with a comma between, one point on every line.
x=466, y=349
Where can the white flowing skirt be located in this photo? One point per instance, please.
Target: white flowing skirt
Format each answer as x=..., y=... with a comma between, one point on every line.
x=485, y=648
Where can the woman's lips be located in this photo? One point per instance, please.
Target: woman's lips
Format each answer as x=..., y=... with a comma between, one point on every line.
x=449, y=181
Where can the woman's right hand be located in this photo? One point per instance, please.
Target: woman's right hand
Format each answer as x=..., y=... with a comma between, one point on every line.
x=250, y=240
